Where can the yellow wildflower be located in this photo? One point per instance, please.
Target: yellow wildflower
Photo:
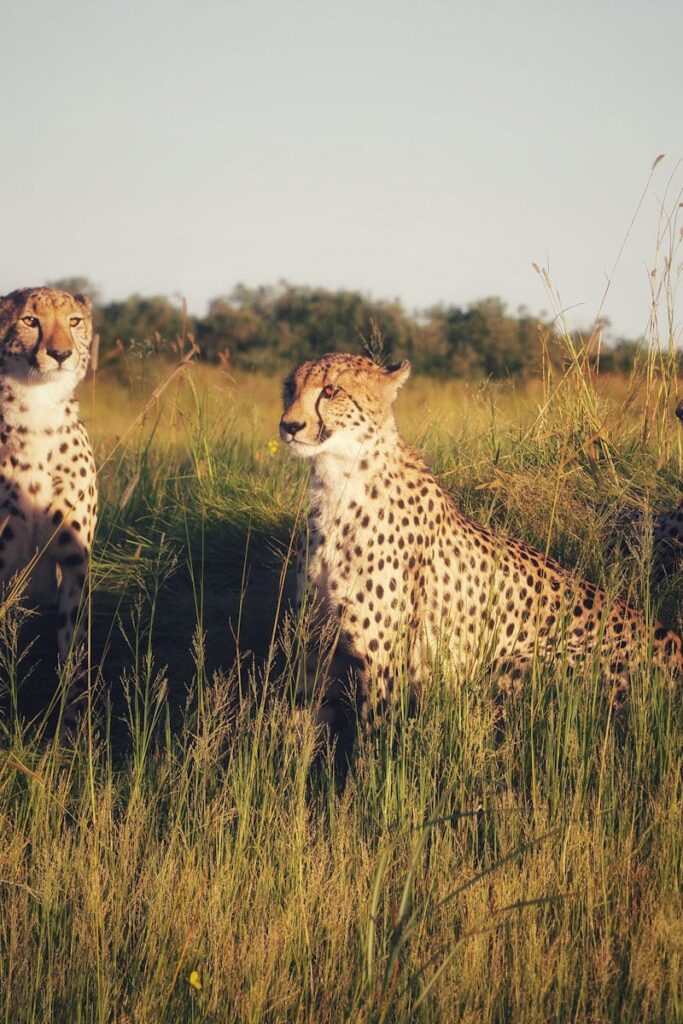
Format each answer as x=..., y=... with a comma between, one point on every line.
x=195, y=981
x=272, y=447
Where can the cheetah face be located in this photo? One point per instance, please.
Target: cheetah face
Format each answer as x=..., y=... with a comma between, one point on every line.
x=45, y=337
x=338, y=404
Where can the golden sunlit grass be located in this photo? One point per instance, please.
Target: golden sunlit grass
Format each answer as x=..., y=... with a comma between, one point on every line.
x=211, y=870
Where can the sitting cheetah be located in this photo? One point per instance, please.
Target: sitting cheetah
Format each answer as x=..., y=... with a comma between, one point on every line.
x=47, y=473
x=404, y=577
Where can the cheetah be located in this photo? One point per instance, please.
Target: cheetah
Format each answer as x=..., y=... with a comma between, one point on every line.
x=667, y=529
x=47, y=473
x=404, y=577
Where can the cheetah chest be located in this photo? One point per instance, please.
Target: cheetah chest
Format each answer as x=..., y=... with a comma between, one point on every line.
x=40, y=484
x=359, y=564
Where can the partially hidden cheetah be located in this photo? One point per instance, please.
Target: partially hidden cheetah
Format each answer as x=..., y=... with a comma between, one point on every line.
x=405, y=578
x=667, y=529
x=47, y=473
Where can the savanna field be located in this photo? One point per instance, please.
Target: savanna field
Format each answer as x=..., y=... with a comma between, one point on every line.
x=195, y=857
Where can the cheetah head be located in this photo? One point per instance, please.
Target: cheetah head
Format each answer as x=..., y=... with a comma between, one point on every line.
x=338, y=404
x=45, y=336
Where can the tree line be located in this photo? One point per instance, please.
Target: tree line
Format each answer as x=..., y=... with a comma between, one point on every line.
x=277, y=326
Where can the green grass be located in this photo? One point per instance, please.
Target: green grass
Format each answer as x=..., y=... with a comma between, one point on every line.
x=464, y=872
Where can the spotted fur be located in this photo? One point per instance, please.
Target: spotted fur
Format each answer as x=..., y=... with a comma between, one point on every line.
x=47, y=474
x=404, y=578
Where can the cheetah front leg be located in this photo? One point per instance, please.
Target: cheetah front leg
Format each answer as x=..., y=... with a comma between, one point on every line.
x=72, y=623
x=72, y=521
x=334, y=677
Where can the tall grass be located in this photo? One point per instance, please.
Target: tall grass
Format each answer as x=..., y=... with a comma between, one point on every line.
x=464, y=871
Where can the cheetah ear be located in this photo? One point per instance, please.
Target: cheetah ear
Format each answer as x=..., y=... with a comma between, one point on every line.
x=84, y=301
x=395, y=377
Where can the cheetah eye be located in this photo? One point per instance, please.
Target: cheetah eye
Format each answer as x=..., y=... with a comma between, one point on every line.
x=74, y=321
x=329, y=391
x=30, y=321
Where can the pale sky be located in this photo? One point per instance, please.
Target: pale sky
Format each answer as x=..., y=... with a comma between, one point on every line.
x=427, y=151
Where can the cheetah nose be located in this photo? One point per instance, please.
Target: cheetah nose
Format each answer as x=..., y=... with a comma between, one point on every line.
x=288, y=428
x=679, y=410
x=59, y=354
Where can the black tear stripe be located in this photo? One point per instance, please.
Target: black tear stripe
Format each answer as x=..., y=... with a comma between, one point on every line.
x=33, y=358
x=352, y=399
x=323, y=432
